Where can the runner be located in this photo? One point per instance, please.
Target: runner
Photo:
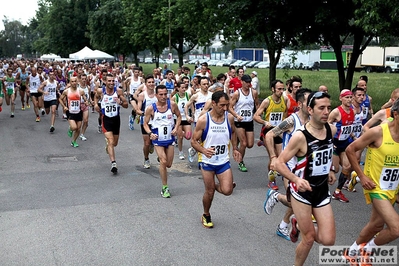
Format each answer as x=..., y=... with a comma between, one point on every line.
x=270, y=113
x=242, y=106
x=33, y=82
x=82, y=85
x=71, y=102
x=198, y=100
x=309, y=180
x=184, y=130
x=145, y=99
x=212, y=139
x=111, y=100
x=286, y=129
x=9, y=86
x=343, y=118
x=21, y=79
x=380, y=181
x=162, y=132
x=49, y=89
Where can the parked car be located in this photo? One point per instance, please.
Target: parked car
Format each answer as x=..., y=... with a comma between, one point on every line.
x=251, y=64
x=212, y=62
x=229, y=62
x=237, y=63
x=262, y=64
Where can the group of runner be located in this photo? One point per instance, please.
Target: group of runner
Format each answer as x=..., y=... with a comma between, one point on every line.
x=307, y=143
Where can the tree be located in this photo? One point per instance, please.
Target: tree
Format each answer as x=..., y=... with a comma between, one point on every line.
x=63, y=27
x=11, y=38
x=107, y=25
x=273, y=22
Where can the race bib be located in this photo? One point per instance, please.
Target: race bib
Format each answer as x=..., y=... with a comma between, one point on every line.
x=345, y=132
x=357, y=129
x=322, y=161
x=74, y=107
x=165, y=133
x=389, y=178
x=246, y=114
x=275, y=118
x=220, y=152
x=110, y=109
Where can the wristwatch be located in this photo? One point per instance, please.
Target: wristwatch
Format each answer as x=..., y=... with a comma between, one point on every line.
x=149, y=133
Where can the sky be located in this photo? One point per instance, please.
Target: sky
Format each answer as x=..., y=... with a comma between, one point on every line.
x=21, y=10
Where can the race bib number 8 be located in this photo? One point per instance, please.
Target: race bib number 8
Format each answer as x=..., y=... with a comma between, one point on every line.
x=164, y=133
x=389, y=178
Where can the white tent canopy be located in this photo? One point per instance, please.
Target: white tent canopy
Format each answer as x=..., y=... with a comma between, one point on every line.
x=97, y=54
x=80, y=55
x=49, y=56
x=86, y=53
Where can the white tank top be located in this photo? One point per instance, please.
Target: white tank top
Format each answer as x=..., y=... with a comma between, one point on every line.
x=200, y=103
x=245, y=106
x=51, y=88
x=134, y=84
x=147, y=102
x=34, y=83
x=163, y=123
x=217, y=135
x=181, y=102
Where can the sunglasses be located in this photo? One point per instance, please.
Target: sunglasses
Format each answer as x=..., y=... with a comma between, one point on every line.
x=318, y=95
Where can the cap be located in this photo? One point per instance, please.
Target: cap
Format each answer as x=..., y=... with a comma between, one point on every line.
x=255, y=73
x=246, y=78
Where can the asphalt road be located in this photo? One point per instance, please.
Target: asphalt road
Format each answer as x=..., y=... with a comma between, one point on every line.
x=62, y=206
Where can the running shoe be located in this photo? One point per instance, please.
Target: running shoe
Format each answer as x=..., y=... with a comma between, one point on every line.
x=23, y=108
x=272, y=185
x=1, y=108
x=99, y=129
x=147, y=164
x=151, y=148
x=294, y=232
x=270, y=201
x=70, y=132
x=27, y=105
x=191, y=154
x=38, y=119
x=206, y=221
x=339, y=196
x=260, y=143
x=82, y=137
x=43, y=112
x=165, y=192
x=283, y=232
x=352, y=183
x=52, y=129
x=64, y=116
x=242, y=167
x=181, y=155
x=74, y=144
x=114, y=168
